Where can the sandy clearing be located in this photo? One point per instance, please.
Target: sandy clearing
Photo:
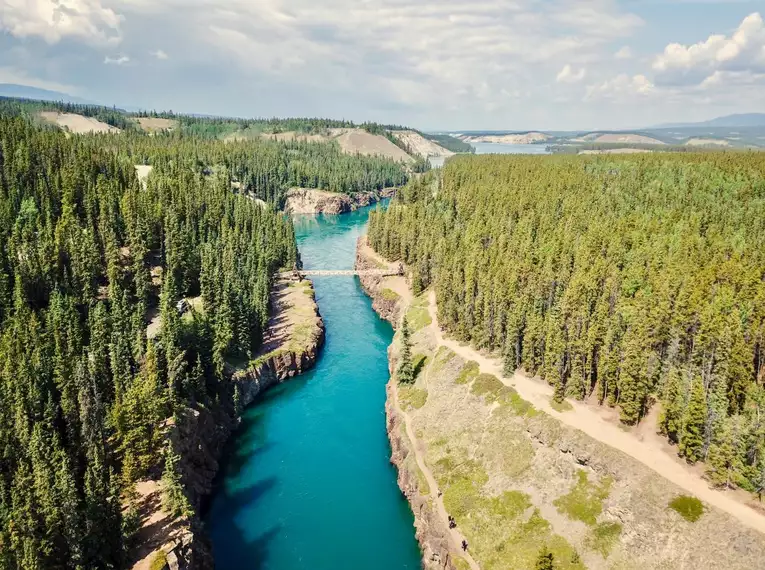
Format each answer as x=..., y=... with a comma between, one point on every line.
x=519, y=138
x=157, y=528
x=455, y=536
x=586, y=420
x=142, y=171
x=351, y=141
x=153, y=124
x=707, y=142
x=625, y=138
x=358, y=141
x=420, y=145
x=77, y=124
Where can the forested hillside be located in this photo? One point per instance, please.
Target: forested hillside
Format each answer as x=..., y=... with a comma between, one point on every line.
x=86, y=255
x=264, y=169
x=629, y=280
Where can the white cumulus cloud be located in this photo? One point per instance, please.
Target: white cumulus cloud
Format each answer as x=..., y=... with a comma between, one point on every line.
x=52, y=20
x=119, y=60
x=624, y=53
x=742, y=50
x=568, y=75
x=159, y=54
x=622, y=86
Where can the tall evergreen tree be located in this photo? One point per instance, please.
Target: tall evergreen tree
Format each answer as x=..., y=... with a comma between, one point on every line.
x=405, y=370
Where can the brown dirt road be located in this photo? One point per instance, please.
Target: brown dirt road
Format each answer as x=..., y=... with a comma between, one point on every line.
x=581, y=417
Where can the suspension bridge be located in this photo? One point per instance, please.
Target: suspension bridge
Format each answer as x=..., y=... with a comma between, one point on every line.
x=336, y=272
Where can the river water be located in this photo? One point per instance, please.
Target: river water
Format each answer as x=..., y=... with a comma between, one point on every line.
x=306, y=482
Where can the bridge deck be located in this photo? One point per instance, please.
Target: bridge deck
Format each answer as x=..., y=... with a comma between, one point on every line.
x=329, y=272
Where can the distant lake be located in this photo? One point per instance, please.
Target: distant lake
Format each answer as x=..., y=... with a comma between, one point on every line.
x=497, y=148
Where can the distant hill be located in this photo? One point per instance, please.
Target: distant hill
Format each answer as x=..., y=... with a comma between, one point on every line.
x=738, y=120
x=26, y=92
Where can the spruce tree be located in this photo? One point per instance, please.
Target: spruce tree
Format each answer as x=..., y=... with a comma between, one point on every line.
x=692, y=437
x=671, y=420
x=405, y=372
x=174, y=499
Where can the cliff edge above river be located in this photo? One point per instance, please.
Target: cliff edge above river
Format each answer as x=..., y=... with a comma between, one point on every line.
x=291, y=346
x=517, y=477
x=311, y=201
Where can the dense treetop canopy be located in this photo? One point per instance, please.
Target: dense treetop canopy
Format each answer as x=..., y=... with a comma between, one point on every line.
x=626, y=279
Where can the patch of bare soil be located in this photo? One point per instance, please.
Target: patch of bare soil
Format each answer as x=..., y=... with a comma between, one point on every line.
x=157, y=528
x=77, y=124
x=626, y=138
x=142, y=171
x=707, y=142
x=358, y=141
x=154, y=124
x=420, y=145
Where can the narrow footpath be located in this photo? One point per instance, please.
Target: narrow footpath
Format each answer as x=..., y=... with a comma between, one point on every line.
x=455, y=536
x=586, y=420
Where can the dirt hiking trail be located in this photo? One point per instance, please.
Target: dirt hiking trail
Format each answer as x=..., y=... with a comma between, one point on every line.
x=586, y=420
x=455, y=536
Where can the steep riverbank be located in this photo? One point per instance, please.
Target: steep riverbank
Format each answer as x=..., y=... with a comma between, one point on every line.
x=516, y=477
x=311, y=201
x=390, y=297
x=291, y=346
x=305, y=481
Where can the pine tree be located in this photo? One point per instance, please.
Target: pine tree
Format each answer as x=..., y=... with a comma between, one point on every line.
x=692, y=437
x=174, y=499
x=405, y=372
x=671, y=420
x=545, y=559
x=723, y=458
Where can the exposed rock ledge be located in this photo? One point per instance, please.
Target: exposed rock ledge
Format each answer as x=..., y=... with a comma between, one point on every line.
x=291, y=346
x=311, y=201
x=430, y=531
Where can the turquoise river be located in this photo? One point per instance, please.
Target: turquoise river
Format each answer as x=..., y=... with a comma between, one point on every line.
x=306, y=482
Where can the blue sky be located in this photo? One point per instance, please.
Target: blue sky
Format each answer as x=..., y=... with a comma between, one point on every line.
x=431, y=64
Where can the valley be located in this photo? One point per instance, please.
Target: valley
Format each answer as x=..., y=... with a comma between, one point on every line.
x=500, y=359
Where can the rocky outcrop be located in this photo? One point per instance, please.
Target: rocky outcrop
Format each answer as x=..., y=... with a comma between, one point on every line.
x=312, y=201
x=200, y=433
x=430, y=531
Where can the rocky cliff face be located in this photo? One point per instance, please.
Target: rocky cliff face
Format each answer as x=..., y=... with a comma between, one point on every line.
x=200, y=433
x=385, y=304
x=311, y=201
x=430, y=531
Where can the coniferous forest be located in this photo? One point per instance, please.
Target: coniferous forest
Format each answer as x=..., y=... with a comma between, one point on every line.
x=82, y=389
x=633, y=282
x=90, y=255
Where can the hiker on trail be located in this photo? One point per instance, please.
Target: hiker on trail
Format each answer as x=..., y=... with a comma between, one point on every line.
x=464, y=545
